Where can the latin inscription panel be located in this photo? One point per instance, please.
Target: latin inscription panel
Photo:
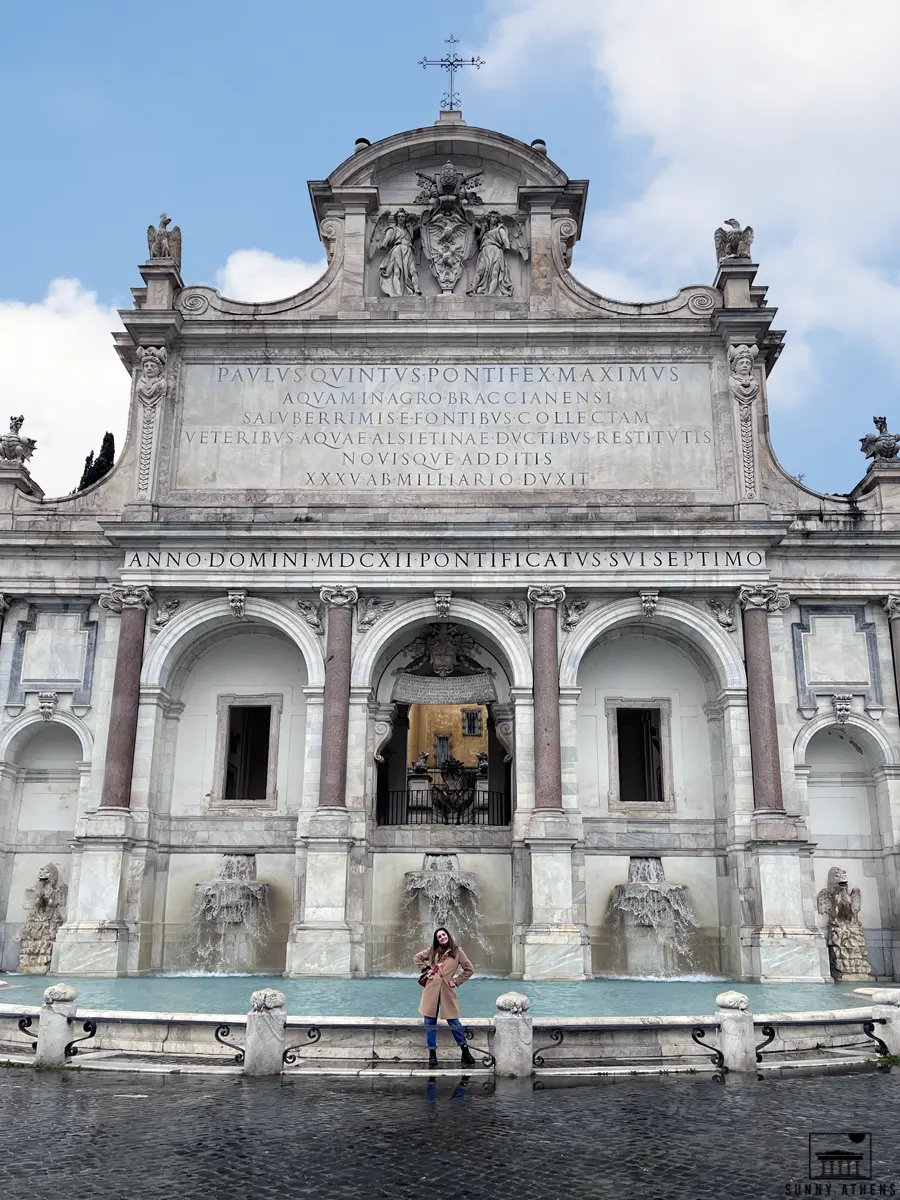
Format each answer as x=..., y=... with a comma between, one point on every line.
x=358, y=428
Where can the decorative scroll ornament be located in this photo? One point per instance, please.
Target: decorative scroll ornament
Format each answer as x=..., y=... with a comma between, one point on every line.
x=314, y=615
x=442, y=604
x=497, y=236
x=47, y=702
x=128, y=596
x=164, y=614
x=881, y=447
x=649, y=601
x=395, y=233
x=14, y=450
x=383, y=730
x=733, y=242
x=744, y=387
x=891, y=606
x=772, y=599
x=339, y=596
x=546, y=597
x=44, y=911
x=723, y=611
x=369, y=609
x=516, y=612
x=842, y=703
x=236, y=601
x=846, y=939
x=573, y=612
x=151, y=388
x=163, y=242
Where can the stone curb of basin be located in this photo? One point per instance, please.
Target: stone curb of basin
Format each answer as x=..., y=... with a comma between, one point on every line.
x=517, y=1044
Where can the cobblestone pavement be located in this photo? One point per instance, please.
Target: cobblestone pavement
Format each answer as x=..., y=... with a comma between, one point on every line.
x=84, y=1136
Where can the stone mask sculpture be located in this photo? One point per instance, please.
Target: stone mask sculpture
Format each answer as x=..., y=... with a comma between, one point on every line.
x=44, y=913
x=847, y=951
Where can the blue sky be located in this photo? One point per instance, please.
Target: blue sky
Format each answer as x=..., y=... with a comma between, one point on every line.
x=679, y=116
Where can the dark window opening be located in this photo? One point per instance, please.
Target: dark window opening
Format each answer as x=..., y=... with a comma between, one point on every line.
x=247, y=764
x=441, y=749
x=472, y=722
x=639, y=733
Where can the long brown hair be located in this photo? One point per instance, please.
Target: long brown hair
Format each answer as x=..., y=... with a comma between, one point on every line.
x=437, y=949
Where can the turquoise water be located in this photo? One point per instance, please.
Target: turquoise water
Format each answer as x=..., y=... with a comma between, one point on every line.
x=399, y=997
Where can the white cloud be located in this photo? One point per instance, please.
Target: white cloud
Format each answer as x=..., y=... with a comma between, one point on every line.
x=61, y=372
x=258, y=275
x=785, y=115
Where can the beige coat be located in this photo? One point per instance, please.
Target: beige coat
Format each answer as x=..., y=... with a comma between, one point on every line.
x=438, y=988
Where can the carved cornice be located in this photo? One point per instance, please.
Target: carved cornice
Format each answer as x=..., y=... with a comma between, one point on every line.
x=339, y=596
x=125, y=596
x=545, y=596
x=770, y=599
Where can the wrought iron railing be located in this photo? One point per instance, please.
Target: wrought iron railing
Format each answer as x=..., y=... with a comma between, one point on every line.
x=314, y=1036
x=422, y=808
x=591, y=1055
x=872, y=1042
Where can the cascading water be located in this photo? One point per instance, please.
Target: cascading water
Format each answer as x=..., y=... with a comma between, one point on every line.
x=442, y=894
x=231, y=916
x=654, y=921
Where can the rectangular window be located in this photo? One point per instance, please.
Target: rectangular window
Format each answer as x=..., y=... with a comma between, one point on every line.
x=639, y=735
x=247, y=768
x=441, y=749
x=472, y=722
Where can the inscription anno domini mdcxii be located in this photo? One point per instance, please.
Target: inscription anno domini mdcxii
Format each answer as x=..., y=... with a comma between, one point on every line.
x=357, y=427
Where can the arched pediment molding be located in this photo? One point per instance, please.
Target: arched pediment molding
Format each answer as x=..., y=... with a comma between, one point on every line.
x=199, y=620
x=12, y=734
x=475, y=617
x=872, y=733
x=688, y=622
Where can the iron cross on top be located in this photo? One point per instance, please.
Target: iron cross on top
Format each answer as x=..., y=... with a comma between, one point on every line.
x=451, y=62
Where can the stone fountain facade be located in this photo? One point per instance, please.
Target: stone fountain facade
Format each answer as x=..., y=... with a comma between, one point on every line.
x=451, y=476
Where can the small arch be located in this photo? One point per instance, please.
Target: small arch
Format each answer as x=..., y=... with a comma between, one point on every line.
x=199, y=620
x=13, y=732
x=871, y=731
x=462, y=612
x=685, y=620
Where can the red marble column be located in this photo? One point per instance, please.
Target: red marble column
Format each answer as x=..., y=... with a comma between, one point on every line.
x=547, y=760
x=336, y=701
x=757, y=603
x=132, y=603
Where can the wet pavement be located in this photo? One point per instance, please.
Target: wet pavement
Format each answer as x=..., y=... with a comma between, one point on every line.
x=90, y=1135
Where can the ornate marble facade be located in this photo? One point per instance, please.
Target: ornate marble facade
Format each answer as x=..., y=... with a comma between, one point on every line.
x=448, y=430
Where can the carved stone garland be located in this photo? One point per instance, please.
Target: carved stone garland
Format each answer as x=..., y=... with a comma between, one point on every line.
x=151, y=388
x=744, y=387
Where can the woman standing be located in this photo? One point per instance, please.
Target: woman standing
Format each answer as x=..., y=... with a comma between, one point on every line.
x=445, y=966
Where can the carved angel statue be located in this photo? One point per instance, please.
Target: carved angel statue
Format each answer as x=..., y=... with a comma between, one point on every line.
x=394, y=233
x=497, y=235
x=164, y=242
x=881, y=446
x=15, y=450
x=733, y=242
x=846, y=939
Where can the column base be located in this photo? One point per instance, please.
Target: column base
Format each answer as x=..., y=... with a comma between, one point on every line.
x=555, y=952
x=777, y=954
x=91, y=948
x=319, y=950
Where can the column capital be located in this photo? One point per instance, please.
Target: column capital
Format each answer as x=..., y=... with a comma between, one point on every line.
x=122, y=596
x=891, y=606
x=339, y=596
x=5, y=604
x=546, y=596
x=771, y=599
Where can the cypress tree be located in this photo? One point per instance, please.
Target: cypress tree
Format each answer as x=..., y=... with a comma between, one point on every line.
x=96, y=468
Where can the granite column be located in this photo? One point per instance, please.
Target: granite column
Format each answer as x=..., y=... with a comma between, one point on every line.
x=757, y=603
x=336, y=703
x=547, y=766
x=132, y=603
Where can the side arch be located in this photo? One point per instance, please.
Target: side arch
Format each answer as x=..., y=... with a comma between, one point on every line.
x=466, y=612
x=13, y=732
x=200, y=619
x=871, y=730
x=704, y=633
